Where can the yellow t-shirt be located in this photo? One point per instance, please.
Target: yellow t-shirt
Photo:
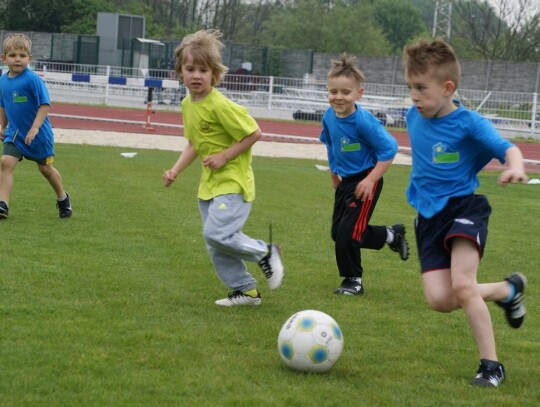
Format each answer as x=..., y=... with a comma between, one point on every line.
x=212, y=125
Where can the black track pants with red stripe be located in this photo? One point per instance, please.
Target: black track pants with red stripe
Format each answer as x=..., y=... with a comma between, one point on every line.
x=350, y=228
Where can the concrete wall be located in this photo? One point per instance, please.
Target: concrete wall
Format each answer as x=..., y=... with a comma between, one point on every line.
x=480, y=75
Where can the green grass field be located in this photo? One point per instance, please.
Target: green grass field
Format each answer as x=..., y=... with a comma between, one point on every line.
x=115, y=306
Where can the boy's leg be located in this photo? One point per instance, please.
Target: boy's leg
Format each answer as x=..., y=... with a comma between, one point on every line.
x=55, y=179
x=227, y=216
x=465, y=262
x=351, y=231
x=227, y=245
x=7, y=166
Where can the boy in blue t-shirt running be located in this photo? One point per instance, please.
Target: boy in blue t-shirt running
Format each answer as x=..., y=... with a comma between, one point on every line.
x=450, y=145
x=25, y=128
x=360, y=151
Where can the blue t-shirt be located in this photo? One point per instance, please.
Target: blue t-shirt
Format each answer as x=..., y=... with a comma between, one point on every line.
x=355, y=143
x=21, y=97
x=447, y=154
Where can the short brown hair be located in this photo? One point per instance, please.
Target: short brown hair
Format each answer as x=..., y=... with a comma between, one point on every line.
x=205, y=48
x=436, y=56
x=17, y=41
x=347, y=66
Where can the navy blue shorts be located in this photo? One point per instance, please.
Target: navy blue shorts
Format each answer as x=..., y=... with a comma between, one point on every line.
x=465, y=216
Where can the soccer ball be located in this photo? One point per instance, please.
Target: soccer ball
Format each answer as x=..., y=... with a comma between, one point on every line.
x=310, y=341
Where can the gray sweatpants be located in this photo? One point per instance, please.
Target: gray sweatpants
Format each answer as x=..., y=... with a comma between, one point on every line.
x=223, y=218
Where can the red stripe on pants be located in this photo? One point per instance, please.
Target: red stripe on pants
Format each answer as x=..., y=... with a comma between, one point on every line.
x=362, y=220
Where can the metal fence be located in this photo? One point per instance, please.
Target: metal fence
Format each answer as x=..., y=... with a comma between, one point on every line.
x=514, y=114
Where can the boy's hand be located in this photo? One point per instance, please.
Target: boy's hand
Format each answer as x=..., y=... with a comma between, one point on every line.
x=31, y=135
x=513, y=176
x=215, y=162
x=364, y=190
x=168, y=177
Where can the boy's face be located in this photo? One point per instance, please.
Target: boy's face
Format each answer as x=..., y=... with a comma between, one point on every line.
x=197, y=78
x=17, y=60
x=343, y=92
x=431, y=96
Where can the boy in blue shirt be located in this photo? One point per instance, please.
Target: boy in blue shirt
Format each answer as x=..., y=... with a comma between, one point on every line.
x=360, y=150
x=25, y=127
x=450, y=145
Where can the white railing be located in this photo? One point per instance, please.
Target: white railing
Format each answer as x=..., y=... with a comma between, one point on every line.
x=515, y=114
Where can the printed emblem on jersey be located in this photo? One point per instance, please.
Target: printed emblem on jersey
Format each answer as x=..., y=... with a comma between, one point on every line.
x=18, y=99
x=347, y=146
x=204, y=127
x=442, y=156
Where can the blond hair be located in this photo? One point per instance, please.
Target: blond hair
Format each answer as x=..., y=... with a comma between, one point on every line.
x=347, y=66
x=205, y=48
x=436, y=57
x=17, y=41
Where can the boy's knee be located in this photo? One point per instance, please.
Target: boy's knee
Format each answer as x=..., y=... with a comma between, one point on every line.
x=8, y=162
x=46, y=170
x=441, y=304
x=212, y=237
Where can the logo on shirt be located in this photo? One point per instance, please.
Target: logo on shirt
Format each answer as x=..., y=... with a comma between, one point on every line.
x=18, y=98
x=442, y=156
x=347, y=146
x=204, y=127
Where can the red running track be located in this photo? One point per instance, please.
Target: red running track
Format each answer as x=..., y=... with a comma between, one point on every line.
x=134, y=121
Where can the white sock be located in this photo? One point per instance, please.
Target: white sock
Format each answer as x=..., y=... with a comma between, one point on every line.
x=356, y=279
x=61, y=199
x=389, y=235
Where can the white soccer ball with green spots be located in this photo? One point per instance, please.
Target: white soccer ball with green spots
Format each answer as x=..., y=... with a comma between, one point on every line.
x=310, y=341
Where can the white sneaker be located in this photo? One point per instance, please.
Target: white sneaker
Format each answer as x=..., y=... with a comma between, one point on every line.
x=239, y=298
x=272, y=266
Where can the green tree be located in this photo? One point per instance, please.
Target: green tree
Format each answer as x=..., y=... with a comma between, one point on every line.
x=399, y=21
x=326, y=26
x=506, y=30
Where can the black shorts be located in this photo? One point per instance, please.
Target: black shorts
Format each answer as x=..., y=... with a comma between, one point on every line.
x=465, y=216
x=12, y=150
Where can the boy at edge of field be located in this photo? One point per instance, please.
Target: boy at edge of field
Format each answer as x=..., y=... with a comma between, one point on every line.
x=450, y=145
x=222, y=133
x=360, y=150
x=25, y=128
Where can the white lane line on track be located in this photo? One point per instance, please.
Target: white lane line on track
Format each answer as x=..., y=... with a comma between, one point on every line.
x=176, y=126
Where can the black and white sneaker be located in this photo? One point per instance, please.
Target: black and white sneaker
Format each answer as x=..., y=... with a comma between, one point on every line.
x=515, y=310
x=239, y=298
x=350, y=286
x=489, y=374
x=3, y=210
x=64, y=207
x=399, y=244
x=272, y=267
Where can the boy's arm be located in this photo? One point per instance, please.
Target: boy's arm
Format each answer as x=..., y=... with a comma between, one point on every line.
x=187, y=156
x=335, y=179
x=41, y=115
x=216, y=161
x=364, y=189
x=3, y=123
x=516, y=171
